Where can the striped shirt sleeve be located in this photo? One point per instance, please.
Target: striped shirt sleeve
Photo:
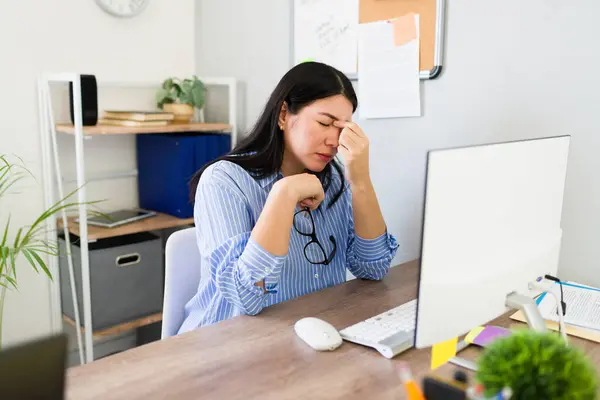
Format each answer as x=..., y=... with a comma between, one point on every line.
x=236, y=261
x=369, y=258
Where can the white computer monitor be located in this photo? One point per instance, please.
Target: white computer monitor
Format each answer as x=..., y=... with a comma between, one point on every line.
x=492, y=224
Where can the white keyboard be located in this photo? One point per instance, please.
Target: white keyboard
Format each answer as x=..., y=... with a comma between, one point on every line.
x=390, y=332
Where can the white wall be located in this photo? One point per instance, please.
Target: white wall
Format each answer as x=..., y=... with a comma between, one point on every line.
x=40, y=36
x=245, y=44
x=512, y=70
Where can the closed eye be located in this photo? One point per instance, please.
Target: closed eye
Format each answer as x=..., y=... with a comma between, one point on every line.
x=324, y=124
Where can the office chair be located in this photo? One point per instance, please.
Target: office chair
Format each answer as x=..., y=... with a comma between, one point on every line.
x=182, y=276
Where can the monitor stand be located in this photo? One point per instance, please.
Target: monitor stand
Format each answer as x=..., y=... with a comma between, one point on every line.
x=516, y=301
x=530, y=310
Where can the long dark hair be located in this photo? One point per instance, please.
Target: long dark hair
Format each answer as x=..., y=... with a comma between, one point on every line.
x=261, y=151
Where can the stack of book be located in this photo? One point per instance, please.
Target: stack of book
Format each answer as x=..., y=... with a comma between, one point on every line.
x=135, y=118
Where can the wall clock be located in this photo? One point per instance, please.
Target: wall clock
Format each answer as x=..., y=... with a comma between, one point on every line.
x=123, y=8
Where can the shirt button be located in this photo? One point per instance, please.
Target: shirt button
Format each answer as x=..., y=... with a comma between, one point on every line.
x=316, y=276
x=267, y=270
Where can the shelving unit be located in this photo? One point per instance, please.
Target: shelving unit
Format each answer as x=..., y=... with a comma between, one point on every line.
x=124, y=327
x=53, y=192
x=155, y=223
x=126, y=130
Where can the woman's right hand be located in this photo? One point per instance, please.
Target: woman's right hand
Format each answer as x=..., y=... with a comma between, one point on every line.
x=274, y=225
x=304, y=189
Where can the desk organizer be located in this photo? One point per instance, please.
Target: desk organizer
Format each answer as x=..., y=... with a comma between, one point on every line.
x=167, y=162
x=126, y=278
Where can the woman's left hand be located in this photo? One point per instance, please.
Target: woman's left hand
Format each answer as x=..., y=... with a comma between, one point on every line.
x=354, y=146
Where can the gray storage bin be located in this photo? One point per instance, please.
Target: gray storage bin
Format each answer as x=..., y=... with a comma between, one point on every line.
x=126, y=278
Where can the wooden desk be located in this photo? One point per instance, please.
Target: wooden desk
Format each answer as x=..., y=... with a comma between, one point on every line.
x=261, y=357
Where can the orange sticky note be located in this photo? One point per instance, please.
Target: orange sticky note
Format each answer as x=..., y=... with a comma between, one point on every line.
x=405, y=29
x=442, y=352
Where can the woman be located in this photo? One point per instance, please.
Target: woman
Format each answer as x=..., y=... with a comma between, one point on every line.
x=277, y=218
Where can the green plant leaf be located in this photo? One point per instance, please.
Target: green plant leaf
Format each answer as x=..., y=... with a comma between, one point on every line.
x=30, y=259
x=18, y=237
x=537, y=366
x=8, y=181
x=40, y=262
x=9, y=177
x=187, y=91
x=2, y=282
x=186, y=86
x=163, y=97
x=4, y=167
x=8, y=254
x=44, y=247
x=167, y=84
x=176, y=88
x=4, y=256
x=5, y=236
x=198, y=94
x=55, y=208
x=30, y=241
x=13, y=262
x=11, y=281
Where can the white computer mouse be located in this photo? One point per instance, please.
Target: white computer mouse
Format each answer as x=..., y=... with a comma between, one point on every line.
x=318, y=334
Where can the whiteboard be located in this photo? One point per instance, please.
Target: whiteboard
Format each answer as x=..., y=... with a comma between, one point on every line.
x=326, y=31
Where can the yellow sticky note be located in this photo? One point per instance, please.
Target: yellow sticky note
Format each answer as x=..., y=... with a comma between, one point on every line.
x=442, y=352
x=473, y=334
x=405, y=29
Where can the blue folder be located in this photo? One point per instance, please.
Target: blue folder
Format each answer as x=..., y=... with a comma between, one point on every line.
x=167, y=162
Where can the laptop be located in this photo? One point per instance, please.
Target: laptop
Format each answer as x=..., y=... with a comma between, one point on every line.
x=34, y=370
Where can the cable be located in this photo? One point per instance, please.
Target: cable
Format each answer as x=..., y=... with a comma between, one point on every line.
x=561, y=319
x=563, y=304
x=562, y=296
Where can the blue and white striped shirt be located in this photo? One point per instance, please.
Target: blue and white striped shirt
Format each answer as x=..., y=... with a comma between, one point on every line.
x=228, y=203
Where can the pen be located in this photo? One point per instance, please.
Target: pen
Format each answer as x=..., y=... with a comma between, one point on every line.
x=505, y=394
x=412, y=389
x=476, y=393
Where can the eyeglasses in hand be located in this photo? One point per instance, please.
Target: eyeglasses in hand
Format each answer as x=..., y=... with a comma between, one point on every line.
x=322, y=259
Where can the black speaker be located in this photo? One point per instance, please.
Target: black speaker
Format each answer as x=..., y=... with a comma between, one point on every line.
x=89, y=100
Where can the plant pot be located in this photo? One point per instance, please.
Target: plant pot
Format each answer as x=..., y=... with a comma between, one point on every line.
x=183, y=113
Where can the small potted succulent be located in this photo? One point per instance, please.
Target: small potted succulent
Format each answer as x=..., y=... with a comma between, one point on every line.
x=537, y=366
x=181, y=97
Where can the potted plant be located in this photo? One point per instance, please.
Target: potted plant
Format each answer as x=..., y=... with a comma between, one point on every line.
x=537, y=365
x=29, y=241
x=181, y=97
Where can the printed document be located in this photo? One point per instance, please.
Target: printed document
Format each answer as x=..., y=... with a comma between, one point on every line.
x=388, y=68
x=583, y=305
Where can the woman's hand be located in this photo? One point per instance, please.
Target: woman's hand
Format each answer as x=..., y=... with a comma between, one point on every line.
x=303, y=189
x=354, y=146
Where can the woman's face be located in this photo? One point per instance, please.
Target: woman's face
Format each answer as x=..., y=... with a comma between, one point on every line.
x=311, y=140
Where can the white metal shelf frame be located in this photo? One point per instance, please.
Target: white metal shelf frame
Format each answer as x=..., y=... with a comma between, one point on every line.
x=53, y=189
